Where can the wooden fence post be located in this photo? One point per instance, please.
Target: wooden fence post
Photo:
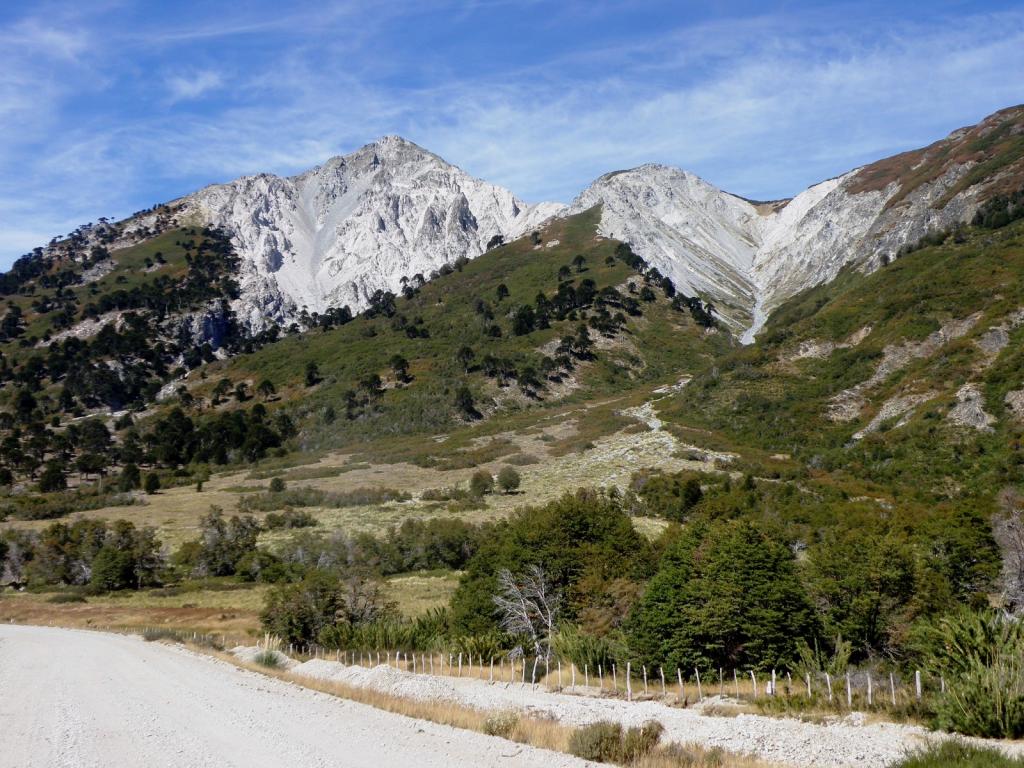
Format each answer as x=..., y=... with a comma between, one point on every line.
x=615, y=677
x=490, y=677
x=586, y=675
x=828, y=682
x=645, y=679
x=870, y=696
x=682, y=691
x=600, y=675
x=736, y=684
x=917, y=683
x=892, y=688
x=629, y=686
x=700, y=691
x=849, y=690
x=661, y=671
x=753, y=680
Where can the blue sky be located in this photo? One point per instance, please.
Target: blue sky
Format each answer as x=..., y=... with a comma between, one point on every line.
x=107, y=107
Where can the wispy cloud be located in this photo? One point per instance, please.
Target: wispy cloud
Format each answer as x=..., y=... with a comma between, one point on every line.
x=184, y=87
x=761, y=105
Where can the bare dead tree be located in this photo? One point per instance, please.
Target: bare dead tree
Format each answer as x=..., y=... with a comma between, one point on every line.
x=528, y=606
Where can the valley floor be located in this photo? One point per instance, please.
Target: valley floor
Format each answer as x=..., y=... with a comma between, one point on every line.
x=79, y=698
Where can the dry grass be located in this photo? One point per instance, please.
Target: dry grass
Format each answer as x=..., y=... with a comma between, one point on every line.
x=417, y=593
x=536, y=732
x=231, y=612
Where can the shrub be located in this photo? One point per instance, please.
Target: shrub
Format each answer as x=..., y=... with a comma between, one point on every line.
x=638, y=742
x=152, y=483
x=277, y=485
x=501, y=724
x=600, y=742
x=290, y=518
x=67, y=597
x=481, y=483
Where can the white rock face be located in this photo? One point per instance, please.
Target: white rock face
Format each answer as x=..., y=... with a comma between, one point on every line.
x=748, y=258
x=333, y=235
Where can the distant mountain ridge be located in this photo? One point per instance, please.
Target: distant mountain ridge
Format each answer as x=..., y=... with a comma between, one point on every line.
x=359, y=223
x=748, y=258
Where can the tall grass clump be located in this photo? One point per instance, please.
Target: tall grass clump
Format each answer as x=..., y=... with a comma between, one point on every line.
x=268, y=659
x=585, y=650
x=959, y=754
x=980, y=654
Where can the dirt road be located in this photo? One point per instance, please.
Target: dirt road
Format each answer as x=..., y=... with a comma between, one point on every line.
x=84, y=699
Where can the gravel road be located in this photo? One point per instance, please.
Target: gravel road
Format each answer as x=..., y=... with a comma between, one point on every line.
x=851, y=742
x=83, y=699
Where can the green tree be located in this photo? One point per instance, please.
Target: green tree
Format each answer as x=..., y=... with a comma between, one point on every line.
x=152, y=483
x=266, y=389
x=298, y=613
x=725, y=595
x=579, y=540
x=130, y=478
x=465, y=403
x=481, y=483
x=508, y=479
x=400, y=367
x=312, y=374
x=54, y=477
x=501, y=291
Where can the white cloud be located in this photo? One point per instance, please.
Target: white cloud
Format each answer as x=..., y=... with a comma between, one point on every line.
x=763, y=108
x=185, y=87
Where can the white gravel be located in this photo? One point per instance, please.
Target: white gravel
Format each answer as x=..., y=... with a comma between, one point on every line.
x=850, y=741
x=73, y=698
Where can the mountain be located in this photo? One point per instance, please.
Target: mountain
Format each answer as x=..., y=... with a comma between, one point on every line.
x=361, y=222
x=747, y=258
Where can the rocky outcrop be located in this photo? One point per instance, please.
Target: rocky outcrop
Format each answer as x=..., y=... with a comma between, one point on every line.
x=847, y=405
x=333, y=235
x=969, y=410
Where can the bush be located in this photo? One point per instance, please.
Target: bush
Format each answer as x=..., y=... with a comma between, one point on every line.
x=481, y=483
x=502, y=724
x=67, y=597
x=606, y=742
x=277, y=485
x=152, y=483
x=290, y=518
x=957, y=753
x=638, y=742
x=600, y=742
